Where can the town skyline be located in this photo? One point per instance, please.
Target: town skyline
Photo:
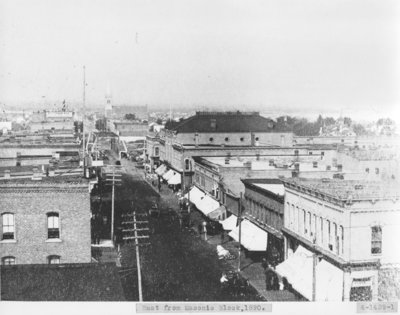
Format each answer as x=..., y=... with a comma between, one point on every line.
x=195, y=54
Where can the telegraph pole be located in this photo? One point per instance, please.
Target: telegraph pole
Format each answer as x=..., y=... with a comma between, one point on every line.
x=136, y=237
x=240, y=230
x=84, y=110
x=114, y=180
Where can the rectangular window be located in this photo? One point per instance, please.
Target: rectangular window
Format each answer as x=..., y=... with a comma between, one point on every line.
x=335, y=239
x=8, y=226
x=322, y=230
x=314, y=232
x=342, y=239
x=330, y=246
x=53, y=228
x=376, y=240
x=304, y=222
x=8, y=260
x=53, y=259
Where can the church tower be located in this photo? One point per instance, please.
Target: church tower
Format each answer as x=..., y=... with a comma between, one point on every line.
x=108, y=108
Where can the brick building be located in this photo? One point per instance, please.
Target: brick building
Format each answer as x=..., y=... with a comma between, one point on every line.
x=216, y=133
x=45, y=221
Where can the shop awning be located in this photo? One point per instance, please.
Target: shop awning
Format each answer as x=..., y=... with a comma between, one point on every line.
x=161, y=169
x=329, y=282
x=298, y=270
x=207, y=205
x=195, y=194
x=175, y=179
x=218, y=213
x=229, y=223
x=252, y=237
x=168, y=174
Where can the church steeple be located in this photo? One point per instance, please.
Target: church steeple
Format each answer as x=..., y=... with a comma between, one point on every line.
x=108, y=107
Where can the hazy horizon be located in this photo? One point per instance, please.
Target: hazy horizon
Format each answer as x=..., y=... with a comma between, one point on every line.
x=308, y=57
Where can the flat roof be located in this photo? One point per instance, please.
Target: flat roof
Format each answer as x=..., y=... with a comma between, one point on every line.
x=346, y=189
x=55, y=182
x=63, y=282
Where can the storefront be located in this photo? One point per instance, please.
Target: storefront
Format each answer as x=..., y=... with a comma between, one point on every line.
x=252, y=237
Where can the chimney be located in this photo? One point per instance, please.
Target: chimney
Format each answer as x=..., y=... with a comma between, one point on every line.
x=196, y=140
x=213, y=124
x=227, y=158
x=36, y=174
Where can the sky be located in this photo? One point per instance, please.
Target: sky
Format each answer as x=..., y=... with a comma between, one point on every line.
x=339, y=56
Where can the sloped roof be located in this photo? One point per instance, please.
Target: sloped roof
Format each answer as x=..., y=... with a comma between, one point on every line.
x=225, y=122
x=65, y=282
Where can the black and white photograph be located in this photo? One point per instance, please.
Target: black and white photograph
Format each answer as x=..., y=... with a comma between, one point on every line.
x=200, y=156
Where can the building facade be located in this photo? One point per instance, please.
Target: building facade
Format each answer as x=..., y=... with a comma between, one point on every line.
x=344, y=228
x=45, y=221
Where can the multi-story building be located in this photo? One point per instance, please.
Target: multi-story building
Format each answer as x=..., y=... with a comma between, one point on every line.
x=363, y=142
x=341, y=239
x=217, y=133
x=264, y=203
x=130, y=129
x=221, y=175
x=52, y=120
x=371, y=164
x=45, y=220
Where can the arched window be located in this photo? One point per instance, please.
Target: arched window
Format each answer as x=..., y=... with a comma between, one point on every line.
x=53, y=225
x=53, y=259
x=8, y=226
x=187, y=164
x=8, y=260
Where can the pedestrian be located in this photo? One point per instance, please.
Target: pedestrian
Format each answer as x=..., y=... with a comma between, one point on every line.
x=264, y=264
x=268, y=278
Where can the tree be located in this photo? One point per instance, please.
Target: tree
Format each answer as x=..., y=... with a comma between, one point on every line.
x=159, y=121
x=329, y=121
x=347, y=121
x=359, y=129
x=130, y=116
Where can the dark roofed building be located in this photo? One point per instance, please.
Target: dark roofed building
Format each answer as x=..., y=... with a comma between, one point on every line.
x=225, y=122
x=212, y=130
x=71, y=282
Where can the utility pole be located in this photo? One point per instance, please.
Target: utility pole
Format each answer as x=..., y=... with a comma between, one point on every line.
x=136, y=237
x=314, y=282
x=84, y=110
x=240, y=230
x=115, y=179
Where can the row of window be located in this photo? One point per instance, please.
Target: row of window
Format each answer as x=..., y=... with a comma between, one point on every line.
x=263, y=214
x=8, y=225
x=324, y=232
x=376, y=170
x=11, y=260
